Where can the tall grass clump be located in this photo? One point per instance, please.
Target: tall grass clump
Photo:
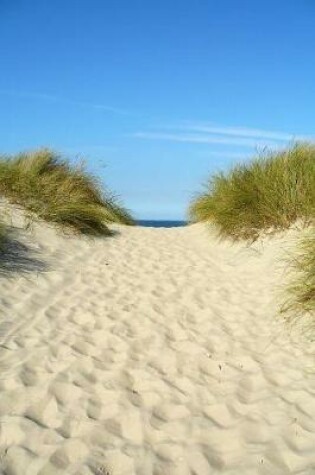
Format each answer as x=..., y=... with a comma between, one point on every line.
x=48, y=186
x=301, y=290
x=271, y=192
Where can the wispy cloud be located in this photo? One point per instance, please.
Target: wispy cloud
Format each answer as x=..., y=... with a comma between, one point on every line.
x=205, y=139
x=62, y=100
x=222, y=135
x=242, y=132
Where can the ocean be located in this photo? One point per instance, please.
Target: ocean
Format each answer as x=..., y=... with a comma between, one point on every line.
x=160, y=223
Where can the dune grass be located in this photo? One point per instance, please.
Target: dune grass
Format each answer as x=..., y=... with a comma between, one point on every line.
x=47, y=185
x=268, y=194
x=300, y=293
x=272, y=191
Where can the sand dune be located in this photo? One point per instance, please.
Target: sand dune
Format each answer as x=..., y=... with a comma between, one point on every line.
x=156, y=351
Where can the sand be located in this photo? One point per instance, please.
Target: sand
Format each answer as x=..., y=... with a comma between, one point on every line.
x=156, y=351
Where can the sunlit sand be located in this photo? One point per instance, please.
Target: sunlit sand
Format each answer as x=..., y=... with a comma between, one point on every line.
x=155, y=351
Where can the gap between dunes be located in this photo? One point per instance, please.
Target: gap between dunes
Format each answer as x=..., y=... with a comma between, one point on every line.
x=155, y=351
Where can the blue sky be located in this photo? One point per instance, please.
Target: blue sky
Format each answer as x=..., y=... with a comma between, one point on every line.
x=156, y=95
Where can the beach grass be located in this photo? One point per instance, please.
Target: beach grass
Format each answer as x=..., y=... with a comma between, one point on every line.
x=268, y=194
x=271, y=192
x=48, y=186
x=300, y=293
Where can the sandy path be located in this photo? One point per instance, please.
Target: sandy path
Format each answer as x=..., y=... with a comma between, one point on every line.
x=157, y=352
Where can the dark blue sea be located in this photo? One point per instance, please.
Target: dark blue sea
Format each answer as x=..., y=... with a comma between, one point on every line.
x=160, y=224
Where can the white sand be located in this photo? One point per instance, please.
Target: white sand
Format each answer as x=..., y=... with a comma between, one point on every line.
x=157, y=351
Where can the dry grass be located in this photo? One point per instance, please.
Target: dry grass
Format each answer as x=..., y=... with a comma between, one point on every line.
x=268, y=194
x=300, y=293
x=49, y=187
x=272, y=191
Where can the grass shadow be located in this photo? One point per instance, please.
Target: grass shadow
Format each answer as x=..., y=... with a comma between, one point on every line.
x=16, y=257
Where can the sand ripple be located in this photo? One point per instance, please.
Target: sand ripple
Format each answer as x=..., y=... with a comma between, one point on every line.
x=156, y=352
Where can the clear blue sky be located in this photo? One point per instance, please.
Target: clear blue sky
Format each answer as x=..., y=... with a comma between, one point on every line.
x=161, y=93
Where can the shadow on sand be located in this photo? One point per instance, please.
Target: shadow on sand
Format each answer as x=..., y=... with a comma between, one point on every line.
x=16, y=257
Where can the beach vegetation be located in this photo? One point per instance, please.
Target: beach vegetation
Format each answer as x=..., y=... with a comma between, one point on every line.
x=271, y=192
x=300, y=293
x=48, y=186
x=267, y=195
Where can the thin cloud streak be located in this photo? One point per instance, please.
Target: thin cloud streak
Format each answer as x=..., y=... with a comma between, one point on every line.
x=52, y=98
x=244, y=132
x=204, y=139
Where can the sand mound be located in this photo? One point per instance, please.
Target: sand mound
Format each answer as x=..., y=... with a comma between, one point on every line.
x=154, y=352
